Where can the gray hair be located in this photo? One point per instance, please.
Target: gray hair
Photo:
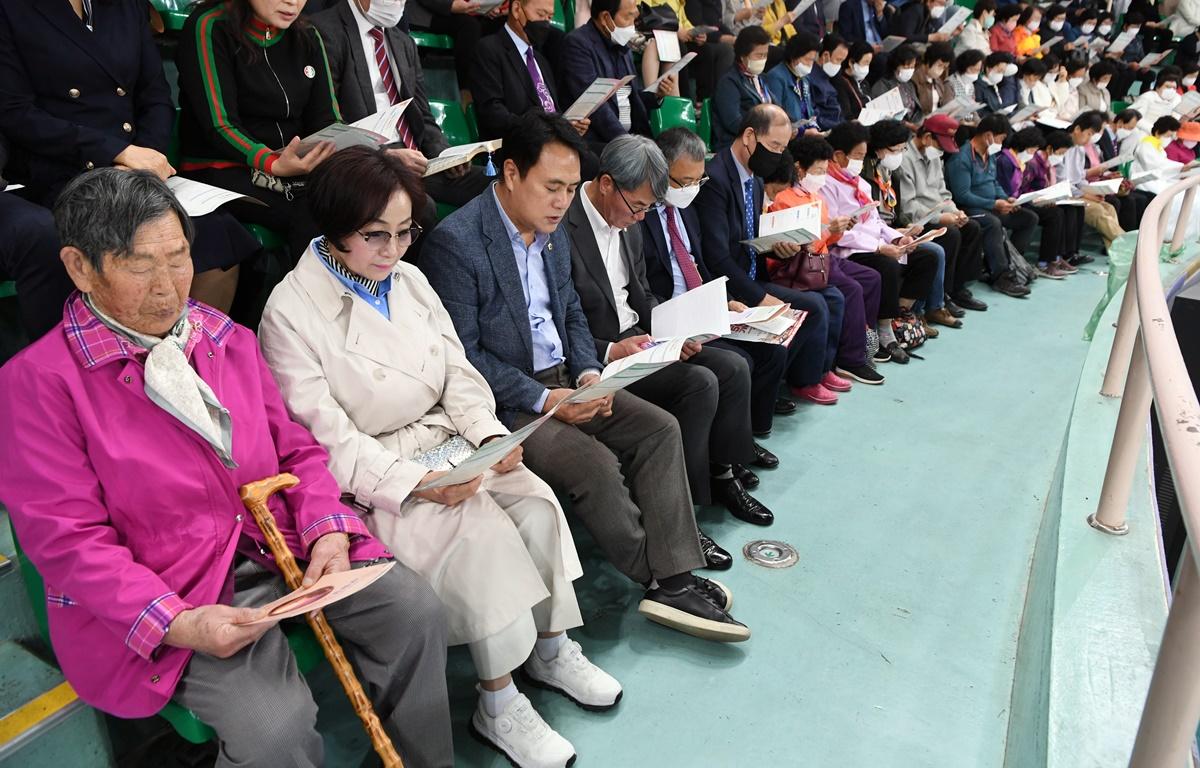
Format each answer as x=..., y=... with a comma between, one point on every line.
x=101, y=211
x=633, y=160
x=681, y=142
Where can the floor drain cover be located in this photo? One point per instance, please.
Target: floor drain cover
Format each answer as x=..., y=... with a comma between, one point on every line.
x=771, y=554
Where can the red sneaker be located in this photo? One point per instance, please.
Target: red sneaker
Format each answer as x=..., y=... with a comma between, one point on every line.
x=815, y=393
x=834, y=382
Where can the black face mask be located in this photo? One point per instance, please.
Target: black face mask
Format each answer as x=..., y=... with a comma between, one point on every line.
x=764, y=162
x=537, y=32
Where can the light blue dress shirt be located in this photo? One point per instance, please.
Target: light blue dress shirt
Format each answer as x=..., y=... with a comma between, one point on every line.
x=869, y=23
x=370, y=291
x=547, y=345
x=678, y=284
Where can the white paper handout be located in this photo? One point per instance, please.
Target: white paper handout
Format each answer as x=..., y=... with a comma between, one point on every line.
x=454, y=156
x=957, y=106
x=1188, y=104
x=621, y=373
x=800, y=224
x=887, y=106
x=485, y=456
x=934, y=212
x=198, y=198
x=957, y=20
x=1118, y=160
x=892, y=42
x=1123, y=40
x=1046, y=46
x=668, y=45
x=1153, y=59
x=1059, y=190
x=603, y=89
x=384, y=121
x=653, y=87
x=1106, y=187
x=1026, y=113
x=1053, y=121
x=700, y=314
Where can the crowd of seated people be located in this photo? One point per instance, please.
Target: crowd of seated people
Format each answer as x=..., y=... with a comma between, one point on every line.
x=392, y=340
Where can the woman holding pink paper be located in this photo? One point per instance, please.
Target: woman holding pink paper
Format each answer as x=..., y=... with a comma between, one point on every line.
x=368, y=359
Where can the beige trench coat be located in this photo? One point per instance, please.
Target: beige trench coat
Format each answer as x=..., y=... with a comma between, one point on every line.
x=376, y=392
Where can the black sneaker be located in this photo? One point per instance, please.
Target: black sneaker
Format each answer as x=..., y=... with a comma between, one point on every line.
x=881, y=356
x=864, y=374
x=691, y=611
x=1080, y=258
x=714, y=590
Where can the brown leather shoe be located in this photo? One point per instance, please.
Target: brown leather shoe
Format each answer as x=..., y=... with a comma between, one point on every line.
x=942, y=316
x=930, y=331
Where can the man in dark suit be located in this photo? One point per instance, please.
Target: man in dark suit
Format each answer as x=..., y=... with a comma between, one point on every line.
x=916, y=22
x=600, y=48
x=355, y=35
x=501, y=265
x=865, y=20
x=834, y=50
x=708, y=392
x=728, y=207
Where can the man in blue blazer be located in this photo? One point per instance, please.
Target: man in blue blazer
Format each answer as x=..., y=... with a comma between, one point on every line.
x=729, y=206
x=834, y=51
x=501, y=265
x=865, y=20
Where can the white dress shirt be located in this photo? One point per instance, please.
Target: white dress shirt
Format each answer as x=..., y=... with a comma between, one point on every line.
x=608, y=240
x=382, y=101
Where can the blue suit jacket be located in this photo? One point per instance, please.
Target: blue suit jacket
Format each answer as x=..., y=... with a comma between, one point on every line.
x=995, y=98
x=586, y=55
x=722, y=214
x=825, y=99
x=470, y=263
x=780, y=81
x=852, y=24
x=73, y=99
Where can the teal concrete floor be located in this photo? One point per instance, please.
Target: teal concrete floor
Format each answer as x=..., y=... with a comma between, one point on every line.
x=914, y=507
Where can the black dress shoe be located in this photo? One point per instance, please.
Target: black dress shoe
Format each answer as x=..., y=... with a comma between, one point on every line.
x=784, y=407
x=764, y=458
x=748, y=478
x=733, y=496
x=967, y=300
x=716, y=559
x=714, y=590
x=691, y=611
x=1080, y=258
x=953, y=308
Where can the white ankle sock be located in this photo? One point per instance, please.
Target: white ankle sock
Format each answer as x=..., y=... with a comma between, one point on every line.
x=547, y=647
x=885, y=333
x=495, y=701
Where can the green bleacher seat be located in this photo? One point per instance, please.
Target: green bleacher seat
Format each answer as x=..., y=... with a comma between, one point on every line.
x=8, y=289
x=675, y=112
x=704, y=123
x=569, y=12
x=173, y=12
x=1118, y=106
x=267, y=238
x=450, y=118
x=472, y=123
x=303, y=642
x=430, y=40
x=559, y=21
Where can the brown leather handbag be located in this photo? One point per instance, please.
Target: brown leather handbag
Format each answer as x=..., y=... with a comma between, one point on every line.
x=806, y=271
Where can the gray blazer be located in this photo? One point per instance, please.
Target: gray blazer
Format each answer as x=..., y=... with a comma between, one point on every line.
x=470, y=263
x=352, y=80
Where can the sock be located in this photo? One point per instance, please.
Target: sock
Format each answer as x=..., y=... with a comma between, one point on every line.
x=547, y=647
x=495, y=701
x=885, y=333
x=1043, y=264
x=676, y=582
x=721, y=471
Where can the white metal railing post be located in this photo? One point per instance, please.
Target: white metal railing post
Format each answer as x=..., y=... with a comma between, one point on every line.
x=1181, y=223
x=1168, y=727
x=1122, y=346
x=1109, y=516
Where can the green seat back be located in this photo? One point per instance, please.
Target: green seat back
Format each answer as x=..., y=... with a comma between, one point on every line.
x=173, y=12
x=1119, y=106
x=559, y=21
x=472, y=123
x=430, y=40
x=267, y=238
x=8, y=289
x=450, y=118
x=704, y=123
x=675, y=112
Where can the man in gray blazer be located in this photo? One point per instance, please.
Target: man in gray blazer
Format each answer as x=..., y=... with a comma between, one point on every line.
x=366, y=49
x=501, y=265
x=708, y=392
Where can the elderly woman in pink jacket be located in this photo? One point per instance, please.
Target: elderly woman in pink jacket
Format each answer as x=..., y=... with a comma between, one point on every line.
x=129, y=429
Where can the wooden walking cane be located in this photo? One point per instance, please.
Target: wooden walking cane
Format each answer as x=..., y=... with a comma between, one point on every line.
x=254, y=496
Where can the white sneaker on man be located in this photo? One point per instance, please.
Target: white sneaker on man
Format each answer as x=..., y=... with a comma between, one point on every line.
x=520, y=733
x=571, y=674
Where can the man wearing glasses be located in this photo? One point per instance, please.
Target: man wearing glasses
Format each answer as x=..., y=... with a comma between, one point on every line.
x=709, y=396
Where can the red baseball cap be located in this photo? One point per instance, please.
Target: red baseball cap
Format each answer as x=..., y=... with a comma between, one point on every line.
x=943, y=127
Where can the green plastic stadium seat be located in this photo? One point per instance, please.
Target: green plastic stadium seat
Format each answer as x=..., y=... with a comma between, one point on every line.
x=267, y=238
x=450, y=118
x=173, y=12
x=8, y=289
x=559, y=21
x=430, y=40
x=1119, y=106
x=569, y=12
x=472, y=123
x=675, y=112
x=704, y=123
x=303, y=642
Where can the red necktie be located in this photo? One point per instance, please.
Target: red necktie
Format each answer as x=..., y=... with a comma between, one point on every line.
x=691, y=275
x=389, y=85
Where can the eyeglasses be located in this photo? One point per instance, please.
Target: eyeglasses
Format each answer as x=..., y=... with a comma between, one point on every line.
x=379, y=239
x=698, y=183
x=635, y=211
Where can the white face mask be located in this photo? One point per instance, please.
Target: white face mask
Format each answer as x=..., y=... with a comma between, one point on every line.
x=1075, y=82
x=1056, y=26
x=681, y=197
x=904, y=75
x=854, y=167
x=1134, y=30
x=622, y=35
x=1166, y=94
x=1050, y=78
x=801, y=69
x=1123, y=133
x=1034, y=24
x=1105, y=29
x=994, y=77
x=1024, y=157
x=756, y=66
x=1104, y=84
x=861, y=72
x=994, y=149
x=813, y=182
x=1057, y=160
x=970, y=77
x=933, y=154
x=1088, y=29
x=891, y=162
x=1010, y=70
x=384, y=13
x=1189, y=143
x=1189, y=81
x=936, y=11
x=831, y=69
x=1096, y=138
x=1168, y=138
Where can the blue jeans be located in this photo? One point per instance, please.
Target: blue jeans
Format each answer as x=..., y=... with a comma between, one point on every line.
x=937, y=292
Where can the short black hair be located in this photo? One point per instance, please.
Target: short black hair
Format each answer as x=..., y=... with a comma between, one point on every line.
x=994, y=123
x=1075, y=62
x=1133, y=17
x=1057, y=140
x=902, y=55
x=968, y=59
x=353, y=187
x=1027, y=138
x=859, y=49
x=749, y=39
x=807, y=150
x=1170, y=74
x=600, y=6
x=998, y=57
x=939, y=52
x=846, y=136
x=529, y=135
x=1101, y=69
x=831, y=42
x=1164, y=124
x=888, y=133
x=1125, y=115
x=1004, y=13
x=784, y=173
x=982, y=7
x=1054, y=11
x=800, y=44
x=1033, y=67
x=1088, y=121
x=1027, y=14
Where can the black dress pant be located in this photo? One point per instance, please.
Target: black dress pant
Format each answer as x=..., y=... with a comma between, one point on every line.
x=713, y=59
x=767, y=362
x=964, y=255
x=1052, y=245
x=1072, y=229
x=900, y=281
x=709, y=395
x=1130, y=208
x=1019, y=225
x=29, y=255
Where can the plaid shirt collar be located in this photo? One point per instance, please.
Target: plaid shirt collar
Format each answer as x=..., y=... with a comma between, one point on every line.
x=94, y=343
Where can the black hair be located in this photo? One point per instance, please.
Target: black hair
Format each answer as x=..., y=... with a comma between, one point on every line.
x=968, y=59
x=994, y=123
x=807, y=150
x=982, y=7
x=999, y=57
x=1054, y=11
x=1125, y=115
x=1027, y=14
x=600, y=6
x=831, y=42
x=1004, y=13
x=1057, y=140
x=800, y=44
x=1033, y=67
x=846, y=136
x=1088, y=121
x=1168, y=75
x=749, y=39
x=784, y=173
x=1164, y=124
x=1101, y=69
x=901, y=55
x=1026, y=138
x=939, y=52
x=1134, y=18
x=354, y=186
x=888, y=133
x=858, y=49
x=529, y=135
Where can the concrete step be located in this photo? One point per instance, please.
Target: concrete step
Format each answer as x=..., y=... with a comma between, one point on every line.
x=16, y=620
x=42, y=721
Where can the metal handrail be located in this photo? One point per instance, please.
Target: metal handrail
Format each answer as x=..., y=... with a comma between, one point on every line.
x=1146, y=359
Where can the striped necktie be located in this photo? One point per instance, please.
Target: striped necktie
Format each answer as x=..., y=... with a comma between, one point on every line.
x=687, y=265
x=389, y=85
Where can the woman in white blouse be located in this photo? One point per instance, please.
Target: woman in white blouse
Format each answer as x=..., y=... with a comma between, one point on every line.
x=974, y=35
x=1150, y=156
x=1163, y=99
x=368, y=360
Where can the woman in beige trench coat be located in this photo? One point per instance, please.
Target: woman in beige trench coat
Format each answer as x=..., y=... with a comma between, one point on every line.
x=368, y=359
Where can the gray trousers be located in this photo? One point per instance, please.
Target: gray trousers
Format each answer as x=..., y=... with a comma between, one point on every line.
x=394, y=634
x=627, y=481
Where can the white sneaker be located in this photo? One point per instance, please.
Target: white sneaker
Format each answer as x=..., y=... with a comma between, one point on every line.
x=571, y=674
x=522, y=735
